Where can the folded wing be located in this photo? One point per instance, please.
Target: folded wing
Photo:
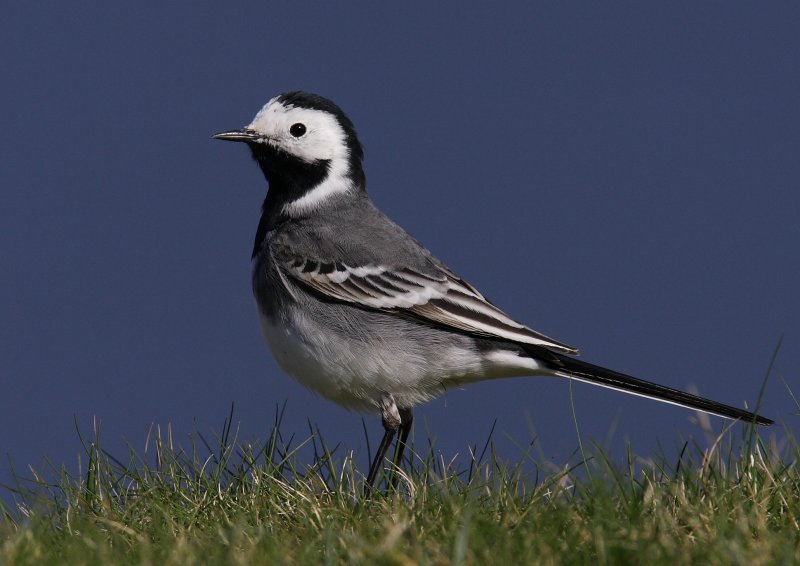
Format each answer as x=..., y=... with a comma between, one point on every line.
x=439, y=297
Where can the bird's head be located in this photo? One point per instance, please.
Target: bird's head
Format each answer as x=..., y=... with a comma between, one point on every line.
x=307, y=148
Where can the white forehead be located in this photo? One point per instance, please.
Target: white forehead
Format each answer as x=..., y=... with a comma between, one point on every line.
x=324, y=137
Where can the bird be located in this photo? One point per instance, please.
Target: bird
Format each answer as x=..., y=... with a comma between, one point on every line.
x=355, y=309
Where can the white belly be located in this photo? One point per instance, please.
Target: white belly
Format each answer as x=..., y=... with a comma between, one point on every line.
x=356, y=374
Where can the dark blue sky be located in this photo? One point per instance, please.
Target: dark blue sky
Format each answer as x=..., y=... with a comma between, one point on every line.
x=625, y=179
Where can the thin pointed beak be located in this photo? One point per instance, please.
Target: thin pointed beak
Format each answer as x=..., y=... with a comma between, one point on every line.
x=238, y=136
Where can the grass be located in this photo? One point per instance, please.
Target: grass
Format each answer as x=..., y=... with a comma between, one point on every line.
x=736, y=501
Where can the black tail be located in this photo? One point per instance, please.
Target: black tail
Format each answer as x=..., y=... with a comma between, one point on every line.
x=596, y=375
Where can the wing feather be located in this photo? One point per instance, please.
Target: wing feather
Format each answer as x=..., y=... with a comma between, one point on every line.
x=440, y=298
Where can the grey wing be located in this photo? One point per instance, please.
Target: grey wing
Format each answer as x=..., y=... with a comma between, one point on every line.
x=439, y=297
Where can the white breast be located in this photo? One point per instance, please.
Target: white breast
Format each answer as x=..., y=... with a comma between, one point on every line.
x=303, y=357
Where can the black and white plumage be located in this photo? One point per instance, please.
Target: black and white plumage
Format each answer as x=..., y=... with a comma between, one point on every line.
x=357, y=310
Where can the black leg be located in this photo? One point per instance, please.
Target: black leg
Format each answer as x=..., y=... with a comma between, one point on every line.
x=406, y=420
x=376, y=463
x=390, y=416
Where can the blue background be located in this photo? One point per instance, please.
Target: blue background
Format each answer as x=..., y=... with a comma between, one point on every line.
x=625, y=178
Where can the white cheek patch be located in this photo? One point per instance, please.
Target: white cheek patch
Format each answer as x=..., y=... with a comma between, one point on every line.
x=324, y=140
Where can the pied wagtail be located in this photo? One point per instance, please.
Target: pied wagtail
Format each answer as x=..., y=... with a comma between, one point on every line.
x=357, y=310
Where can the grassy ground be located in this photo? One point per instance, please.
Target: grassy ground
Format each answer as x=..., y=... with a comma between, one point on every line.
x=735, y=502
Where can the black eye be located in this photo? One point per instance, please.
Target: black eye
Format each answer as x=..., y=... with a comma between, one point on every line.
x=297, y=129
